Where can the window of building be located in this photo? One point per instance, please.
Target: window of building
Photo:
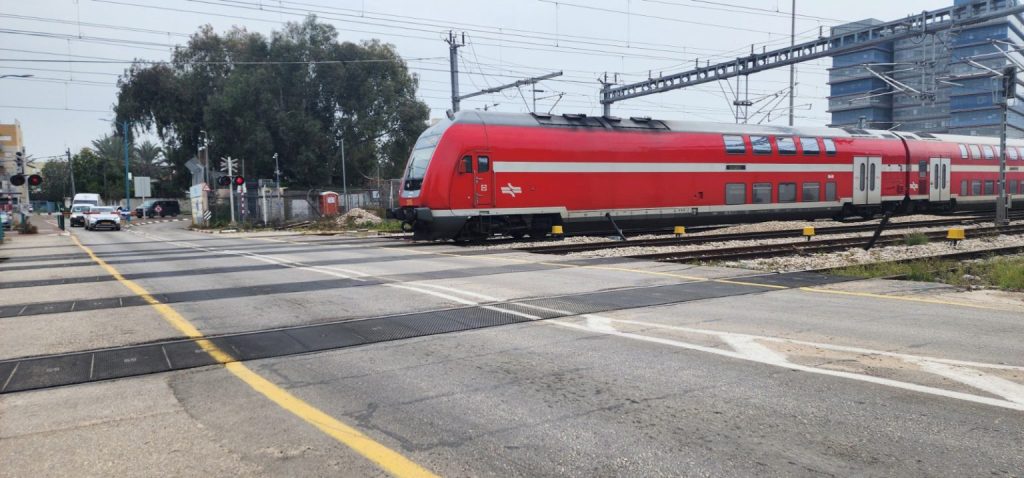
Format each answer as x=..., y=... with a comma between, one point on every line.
x=736, y=193
x=830, y=191
x=810, y=146
x=760, y=145
x=963, y=188
x=975, y=188
x=811, y=192
x=786, y=145
x=787, y=192
x=1011, y=153
x=830, y=146
x=988, y=151
x=734, y=145
x=963, y=151
x=762, y=193
x=990, y=187
x=975, y=152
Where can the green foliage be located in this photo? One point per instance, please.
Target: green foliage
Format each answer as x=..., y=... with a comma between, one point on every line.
x=916, y=239
x=1004, y=273
x=362, y=95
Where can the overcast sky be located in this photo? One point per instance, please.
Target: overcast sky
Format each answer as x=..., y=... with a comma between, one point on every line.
x=65, y=104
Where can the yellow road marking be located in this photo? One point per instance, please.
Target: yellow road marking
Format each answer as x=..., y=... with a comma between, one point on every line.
x=386, y=458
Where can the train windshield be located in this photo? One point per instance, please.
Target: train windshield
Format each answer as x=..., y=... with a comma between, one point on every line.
x=422, y=151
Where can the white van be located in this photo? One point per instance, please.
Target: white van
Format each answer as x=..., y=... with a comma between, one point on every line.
x=88, y=199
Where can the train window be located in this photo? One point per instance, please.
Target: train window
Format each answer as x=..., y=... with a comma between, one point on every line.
x=863, y=175
x=762, y=193
x=922, y=169
x=760, y=145
x=963, y=188
x=990, y=187
x=787, y=192
x=810, y=146
x=830, y=146
x=734, y=144
x=988, y=151
x=1022, y=187
x=483, y=164
x=811, y=192
x=944, y=177
x=975, y=188
x=466, y=165
x=975, y=152
x=830, y=191
x=963, y=152
x=786, y=145
x=736, y=193
x=1013, y=187
x=1011, y=152
x=1020, y=153
x=871, y=177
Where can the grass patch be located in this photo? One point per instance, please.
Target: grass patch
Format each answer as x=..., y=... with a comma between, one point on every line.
x=1006, y=273
x=916, y=239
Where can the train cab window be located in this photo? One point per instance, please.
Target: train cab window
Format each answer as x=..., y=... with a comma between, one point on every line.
x=810, y=146
x=963, y=152
x=734, y=144
x=990, y=187
x=466, y=165
x=811, y=192
x=830, y=191
x=988, y=152
x=830, y=146
x=786, y=145
x=787, y=192
x=975, y=188
x=762, y=193
x=1011, y=152
x=736, y=193
x=975, y=152
x=760, y=145
x=963, y=188
x=483, y=164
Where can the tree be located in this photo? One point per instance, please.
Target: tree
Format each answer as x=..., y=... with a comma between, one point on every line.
x=299, y=93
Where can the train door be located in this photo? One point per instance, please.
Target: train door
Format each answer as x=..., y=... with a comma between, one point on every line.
x=483, y=181
x=867, y=180
x=938, y=182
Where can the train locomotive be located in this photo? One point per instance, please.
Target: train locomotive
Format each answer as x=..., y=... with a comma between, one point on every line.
x=480, y=174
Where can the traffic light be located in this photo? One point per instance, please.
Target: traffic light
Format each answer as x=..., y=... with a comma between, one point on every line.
x=35, y=180
x=239, y=180
x=224, y=181
x=17, y=180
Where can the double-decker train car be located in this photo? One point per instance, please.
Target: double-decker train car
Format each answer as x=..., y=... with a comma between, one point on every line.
x=480, y=174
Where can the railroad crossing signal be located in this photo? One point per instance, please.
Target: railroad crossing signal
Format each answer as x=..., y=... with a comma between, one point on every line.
x=239, y=180
x=17, y=180
x=224, y=181
x=35, y=180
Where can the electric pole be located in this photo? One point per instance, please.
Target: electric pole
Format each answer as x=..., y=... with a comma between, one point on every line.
x=127, y=191
x=1009, y=83
x=453, y=59
x=792, y=67
x=71, y=172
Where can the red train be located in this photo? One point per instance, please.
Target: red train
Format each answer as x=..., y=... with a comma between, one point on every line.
x=481, y=174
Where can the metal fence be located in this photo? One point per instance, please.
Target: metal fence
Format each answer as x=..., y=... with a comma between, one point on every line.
x=268, y=205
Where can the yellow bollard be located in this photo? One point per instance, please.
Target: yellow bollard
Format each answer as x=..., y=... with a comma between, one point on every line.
x=955, y=235
x=809, y=232
x=679, y=231
x=556, y=231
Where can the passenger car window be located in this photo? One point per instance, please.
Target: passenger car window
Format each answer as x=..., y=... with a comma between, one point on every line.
x=830, y=146
x=963, y=151
x=975, y=152
x=762, y=193
x=736, y=193
x=811, y=192
x=760, y=145
x=988, y=151
x=734, y=144
x=483, y=164
x=787, y=192
x=810, y=146
x=990, y=187
x=830, y=191
x=786, y=145
x=1011, y=152
x=975, y=188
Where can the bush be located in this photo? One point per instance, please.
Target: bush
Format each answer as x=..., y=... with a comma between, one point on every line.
x=916, y=239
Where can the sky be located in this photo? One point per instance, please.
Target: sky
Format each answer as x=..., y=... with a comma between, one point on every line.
x=68, y=104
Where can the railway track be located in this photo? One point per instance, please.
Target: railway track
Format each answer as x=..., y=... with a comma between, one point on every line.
x=747, y=236
x=812, y=247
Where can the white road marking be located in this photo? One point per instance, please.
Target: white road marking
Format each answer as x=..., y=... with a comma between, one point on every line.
x=433, y=293
x=1011, y=391
x=749, y=347
x=459, y=291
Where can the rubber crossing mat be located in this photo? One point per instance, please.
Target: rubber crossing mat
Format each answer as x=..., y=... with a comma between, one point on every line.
x=796, y=279
x=80, y=367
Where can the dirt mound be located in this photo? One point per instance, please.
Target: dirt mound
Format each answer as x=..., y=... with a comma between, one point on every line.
x=358, y=216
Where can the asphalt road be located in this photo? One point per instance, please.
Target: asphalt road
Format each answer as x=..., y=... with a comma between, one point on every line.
x=603, y=368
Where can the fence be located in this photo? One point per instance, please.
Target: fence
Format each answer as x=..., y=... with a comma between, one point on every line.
x=274, y=207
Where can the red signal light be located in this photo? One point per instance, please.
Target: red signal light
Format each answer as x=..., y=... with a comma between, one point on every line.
x=239, y=180
x=35, y=180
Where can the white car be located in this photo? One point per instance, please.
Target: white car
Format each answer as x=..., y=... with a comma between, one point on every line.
x=106, y=217
x=78, y=214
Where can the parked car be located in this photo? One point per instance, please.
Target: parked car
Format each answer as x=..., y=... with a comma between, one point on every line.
x=105, y=217
x=158, y=208
x=5, y=220
x=78, y=213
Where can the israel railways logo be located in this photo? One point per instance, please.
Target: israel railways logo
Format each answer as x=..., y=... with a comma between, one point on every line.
x=511, y=190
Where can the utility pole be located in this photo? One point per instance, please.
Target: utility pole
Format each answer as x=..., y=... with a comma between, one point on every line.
x=127, y=191
x=277, y=171
x=71, y=172
x=231, y=189
x=344, y=180
x=1009, y=83
x=453, y=59
x=792, y=67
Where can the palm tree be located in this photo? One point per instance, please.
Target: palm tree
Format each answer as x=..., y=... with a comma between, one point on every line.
x=149, y=160
x=110, y=149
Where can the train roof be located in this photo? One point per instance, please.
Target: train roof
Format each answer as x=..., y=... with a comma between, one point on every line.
x=648, y=124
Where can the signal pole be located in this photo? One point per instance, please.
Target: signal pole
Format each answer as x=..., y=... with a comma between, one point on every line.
x=71, y=172
x=453, y=59
x=231, y=189
x=1009, y=83
x=127, y=192
x=792, y=67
